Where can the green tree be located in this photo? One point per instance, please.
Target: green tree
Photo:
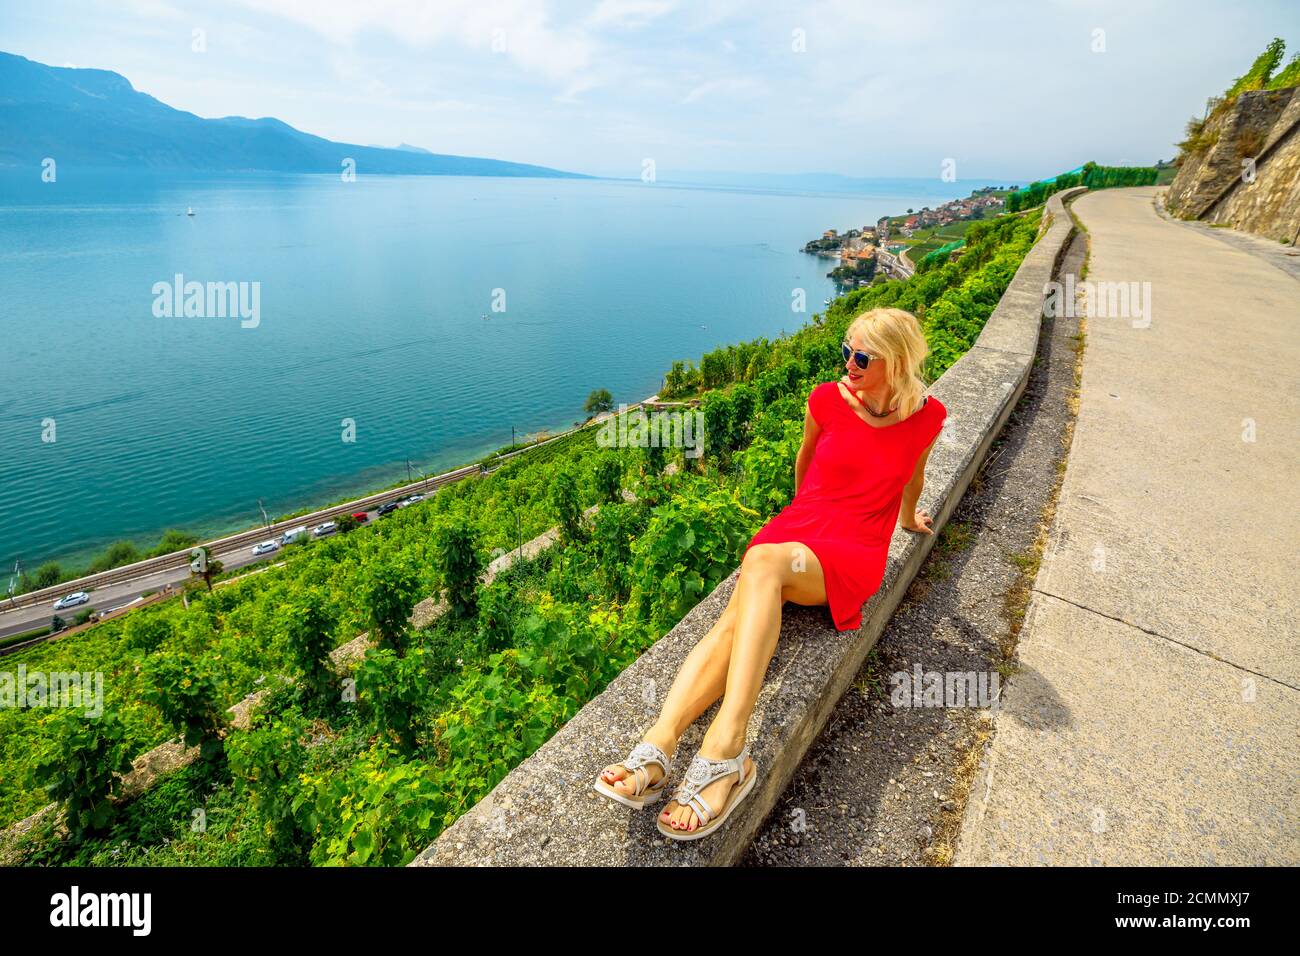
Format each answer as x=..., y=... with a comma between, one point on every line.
x=146, y=631
x=673, y=381
x=309, y=635
x=1288, y=76
x=767, y=467
x=459, y=563
x=388, y=592
x=600, y=400
x=81, y=768
x=204, y=566
x=395, y=692
x=655, y=459
x=346, y=523
x=186, y=695
x=608, y=477
x=497, y=608
x=173, y=540
x=713, y=369
x=566, y=507
x=266, y=761
x=380, y=810
x=1257, y=77
x=721, y=433
x=691, y=543
x=118, y=554
x=46, y=576
x=615, y=528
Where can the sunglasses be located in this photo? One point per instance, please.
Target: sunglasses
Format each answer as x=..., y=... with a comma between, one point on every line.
x=861, y=359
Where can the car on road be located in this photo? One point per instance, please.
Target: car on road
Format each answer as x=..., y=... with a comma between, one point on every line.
x=388, y=508
x=266, y=547
x=328, y=527
x=412, y=500
x=293, y=534
x=71, y=600
x=361, y=516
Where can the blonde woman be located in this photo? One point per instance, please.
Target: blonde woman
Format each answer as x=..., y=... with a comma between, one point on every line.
x=859, y=470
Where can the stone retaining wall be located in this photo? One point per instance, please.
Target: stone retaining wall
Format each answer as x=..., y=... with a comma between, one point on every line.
x=545, y=812
x=1262, y=126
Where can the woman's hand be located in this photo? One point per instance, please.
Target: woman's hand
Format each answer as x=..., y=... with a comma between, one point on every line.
x=920, y=522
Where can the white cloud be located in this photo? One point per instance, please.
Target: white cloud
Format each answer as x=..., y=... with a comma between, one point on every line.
x=629, y=14
x=696, y=83
x=732, y=87
x=561, y=56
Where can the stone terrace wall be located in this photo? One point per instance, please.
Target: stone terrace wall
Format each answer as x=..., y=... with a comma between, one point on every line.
x=545, y=811
x=1270, y=206
x=1263, y=125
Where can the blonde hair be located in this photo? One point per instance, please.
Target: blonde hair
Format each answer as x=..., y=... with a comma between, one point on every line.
x=895, y=337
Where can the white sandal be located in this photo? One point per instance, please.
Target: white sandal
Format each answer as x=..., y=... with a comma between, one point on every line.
x=642, y=754
x=702, y=772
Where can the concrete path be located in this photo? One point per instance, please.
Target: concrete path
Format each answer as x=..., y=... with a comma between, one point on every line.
x=1156, y=717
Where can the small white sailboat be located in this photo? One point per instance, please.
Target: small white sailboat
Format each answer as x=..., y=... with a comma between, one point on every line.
x=189, y=210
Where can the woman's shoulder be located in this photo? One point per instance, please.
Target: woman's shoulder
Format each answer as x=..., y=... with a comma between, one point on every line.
x=823, y=391
x=930, y=408
x=819, y=401
x=937, y=413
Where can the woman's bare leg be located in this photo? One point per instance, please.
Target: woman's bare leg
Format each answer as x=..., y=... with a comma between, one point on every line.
x=772, y=575
x=699, y=682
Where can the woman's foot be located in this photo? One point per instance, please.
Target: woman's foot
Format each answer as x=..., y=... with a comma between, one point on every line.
x=620, y=779
x=681, y=817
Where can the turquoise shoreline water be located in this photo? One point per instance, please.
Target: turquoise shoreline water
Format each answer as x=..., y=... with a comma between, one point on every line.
x=376, y=305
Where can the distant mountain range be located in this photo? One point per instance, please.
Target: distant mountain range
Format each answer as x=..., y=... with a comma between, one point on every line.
x=97, y=118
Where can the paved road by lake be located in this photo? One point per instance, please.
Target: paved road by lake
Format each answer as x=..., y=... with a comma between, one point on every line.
x=1154, y=718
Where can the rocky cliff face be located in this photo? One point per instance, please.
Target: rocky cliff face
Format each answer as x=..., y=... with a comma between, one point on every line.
x=1211, y=184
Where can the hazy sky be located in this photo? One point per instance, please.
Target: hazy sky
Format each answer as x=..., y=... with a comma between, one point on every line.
x=862, y=88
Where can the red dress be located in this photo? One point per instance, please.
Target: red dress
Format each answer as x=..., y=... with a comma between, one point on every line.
x=846, y=508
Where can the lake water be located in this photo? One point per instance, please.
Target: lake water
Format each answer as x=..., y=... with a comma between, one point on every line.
x=372, y=302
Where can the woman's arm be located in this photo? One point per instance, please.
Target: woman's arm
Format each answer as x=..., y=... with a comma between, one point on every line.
x=908, y=516
x=802, y=460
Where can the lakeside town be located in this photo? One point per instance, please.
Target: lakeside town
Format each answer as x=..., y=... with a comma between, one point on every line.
x=894, y=246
